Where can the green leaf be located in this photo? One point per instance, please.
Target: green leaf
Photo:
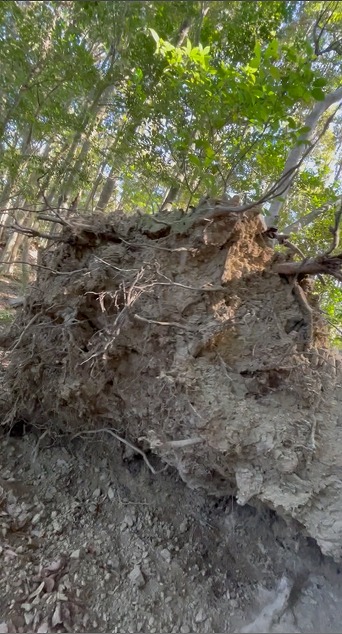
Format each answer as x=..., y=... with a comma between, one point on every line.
x=257, y=50
x=155, y=36
x=320, y=82
x=318, y=94
x=292, y=123
x=254, y=63
x=275, y=72
x=272, y=51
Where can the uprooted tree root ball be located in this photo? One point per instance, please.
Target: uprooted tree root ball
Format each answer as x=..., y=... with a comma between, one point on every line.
x=179, y=335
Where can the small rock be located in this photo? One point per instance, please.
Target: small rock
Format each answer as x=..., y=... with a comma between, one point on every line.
x=183, y=527
x=36, y=518
x=165, y=553
x=57, y=527
x=97, y=493
x=3, y=628
x=75, y=554
x=57, y=616
x=128, y=520
x=200, y=616
x=185, y=629
x=110, y=493
x=85, y=620
x=136, y=577
x=28, y=618
x=114, y=563
x=50, y=493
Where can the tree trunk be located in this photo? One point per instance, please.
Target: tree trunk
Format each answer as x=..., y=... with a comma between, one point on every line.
x=303, y=221
x=107, y=191
x=297, y=153
x=170, y=198
x=89, y=201
x=11, y=249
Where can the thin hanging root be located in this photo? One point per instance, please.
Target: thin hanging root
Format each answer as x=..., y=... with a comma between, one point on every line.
x=120, y=439
x=306, y=311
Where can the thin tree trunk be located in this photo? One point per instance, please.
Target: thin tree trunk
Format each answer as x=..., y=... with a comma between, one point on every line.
x=12, y=246
x=107, y=191
x=25, y=270
x=170, y=197
x=296, y=226
x=89, y=202
x=297, y=153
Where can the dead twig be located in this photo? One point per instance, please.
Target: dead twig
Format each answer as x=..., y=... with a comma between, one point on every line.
x=143, y=245
x=59, y=221
x=120, y=439
x=47, y=268
x=283, y=240
x=174, y=324
x=190, y=288
x=177, y=444
x=17, y=343
x=33, y=233
x=116, y=268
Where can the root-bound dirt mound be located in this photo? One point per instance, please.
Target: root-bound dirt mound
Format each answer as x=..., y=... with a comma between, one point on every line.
x=175, y=334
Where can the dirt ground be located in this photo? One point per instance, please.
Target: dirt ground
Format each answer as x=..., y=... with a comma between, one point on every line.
x=91, y=540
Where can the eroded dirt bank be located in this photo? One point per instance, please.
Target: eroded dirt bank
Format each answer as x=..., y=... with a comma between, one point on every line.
x=177, y=334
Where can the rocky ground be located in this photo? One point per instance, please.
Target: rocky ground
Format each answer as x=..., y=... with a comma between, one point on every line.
x=91, y=540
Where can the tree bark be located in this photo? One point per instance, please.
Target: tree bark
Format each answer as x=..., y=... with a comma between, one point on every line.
x=107, y=191
x=297, y=153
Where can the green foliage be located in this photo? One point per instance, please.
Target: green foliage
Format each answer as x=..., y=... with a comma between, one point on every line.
x=201, y=96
